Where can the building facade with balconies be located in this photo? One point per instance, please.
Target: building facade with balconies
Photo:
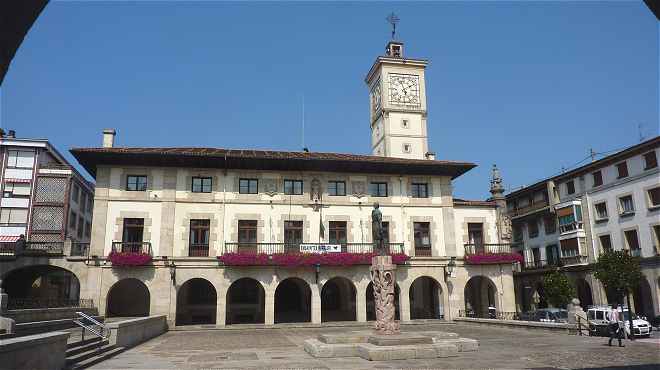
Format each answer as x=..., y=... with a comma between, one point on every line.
x=566, y=222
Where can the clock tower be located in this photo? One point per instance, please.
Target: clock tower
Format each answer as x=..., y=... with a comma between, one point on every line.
x=397, y=93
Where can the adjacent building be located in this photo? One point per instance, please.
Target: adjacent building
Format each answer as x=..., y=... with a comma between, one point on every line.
x=566, y=221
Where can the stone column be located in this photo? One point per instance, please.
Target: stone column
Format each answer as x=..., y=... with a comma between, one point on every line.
x=269, y=306
x=316, y=304
x=221, y=308
x=404, y=304
x=361, y=306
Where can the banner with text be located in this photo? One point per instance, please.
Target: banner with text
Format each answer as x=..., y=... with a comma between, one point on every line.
x=320, y=248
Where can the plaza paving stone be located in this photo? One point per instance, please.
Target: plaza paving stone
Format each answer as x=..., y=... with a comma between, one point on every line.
x=501, y=348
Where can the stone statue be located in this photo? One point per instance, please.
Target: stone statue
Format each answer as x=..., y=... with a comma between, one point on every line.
x=377, y=230
x=383, y=280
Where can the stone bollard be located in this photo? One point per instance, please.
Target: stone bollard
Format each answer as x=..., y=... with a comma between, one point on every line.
x=573, y=309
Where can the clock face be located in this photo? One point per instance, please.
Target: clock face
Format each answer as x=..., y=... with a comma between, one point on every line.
x=376, y=96
x=404, y=90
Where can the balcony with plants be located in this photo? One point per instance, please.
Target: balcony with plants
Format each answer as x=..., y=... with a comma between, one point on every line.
x=484, y=254
x=130, y=254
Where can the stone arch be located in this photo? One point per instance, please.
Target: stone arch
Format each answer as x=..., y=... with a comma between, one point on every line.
x=245, y=302
x=40, y=286
x=128, y=297
x=425, y=296
x=293, y=301
x=480, y=296
x=584, y=293
x=338, y=300
x=196, y=302
x=371, y=303
x=643, y=299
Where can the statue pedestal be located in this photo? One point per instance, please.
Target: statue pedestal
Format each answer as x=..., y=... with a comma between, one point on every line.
x=383, y=278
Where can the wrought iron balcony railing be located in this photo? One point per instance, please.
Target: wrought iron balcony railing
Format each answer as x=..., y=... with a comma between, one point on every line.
x=529, y=208
x=43, y=249
x=570, y=227
x=132, y=247
x=79, y=249
x=574, y=260
x=272, y=248
x=198, y=250
x=479, y=248
x=423, y=251
x=541, y=264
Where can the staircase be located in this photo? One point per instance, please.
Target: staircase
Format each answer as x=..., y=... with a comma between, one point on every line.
x=81, y=352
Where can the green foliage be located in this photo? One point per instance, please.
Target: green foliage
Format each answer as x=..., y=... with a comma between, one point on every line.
x=558, y=289
x=618, y=271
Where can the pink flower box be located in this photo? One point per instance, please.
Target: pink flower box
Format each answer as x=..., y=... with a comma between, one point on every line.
x=304, y=259
x=493, y=258
x=129, y=259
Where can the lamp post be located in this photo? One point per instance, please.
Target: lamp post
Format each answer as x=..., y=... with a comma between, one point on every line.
x=450, y=268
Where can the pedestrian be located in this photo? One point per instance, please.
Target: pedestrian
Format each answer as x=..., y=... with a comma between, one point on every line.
x=615, y=326
x=19, y=246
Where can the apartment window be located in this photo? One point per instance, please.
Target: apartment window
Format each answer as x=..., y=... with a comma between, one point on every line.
x=293, y=232
x=631, y=241
x=336, y=188
x=419, y=190
x=75, y=193
x=605, y=243
x=650, y=160
x=81, y=227
x=517, y=234
x=626, y=205
x=83, y=202
x=422, y=235
x=601, y=211
x=622, y=170
x=20, y=159
x=248, y=186
x=552, y=254
x=533, y=228
x=10, y=216
x=293, y=187
x=247, y=231
x=90, y=204
x=136, y=183
x=536, y=256
x=654, y=197
x=476, y=234
x=598, y=178
x=378, y=189
x=73, y=217
x=88, y=230
x=550, y=225
x=16, y=190
x=201, y=184
x=337, y=232
x=199, y=238
x=656, y=234
x=132, y=236
x=570, y=187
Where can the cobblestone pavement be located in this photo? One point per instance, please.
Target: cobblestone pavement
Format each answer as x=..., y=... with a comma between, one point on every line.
x=502, y=348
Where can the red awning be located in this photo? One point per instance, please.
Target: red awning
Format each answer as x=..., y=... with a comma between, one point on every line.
x=8, y=238
x=24, y=181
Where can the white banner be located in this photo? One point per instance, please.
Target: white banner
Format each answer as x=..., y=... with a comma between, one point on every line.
x=320, y=248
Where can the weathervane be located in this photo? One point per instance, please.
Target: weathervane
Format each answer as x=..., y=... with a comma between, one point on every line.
x=393, y=20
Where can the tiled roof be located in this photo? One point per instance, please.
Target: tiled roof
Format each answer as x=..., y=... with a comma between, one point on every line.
x=90, y=158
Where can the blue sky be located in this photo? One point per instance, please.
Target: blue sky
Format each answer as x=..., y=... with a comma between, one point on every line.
x=529, y=86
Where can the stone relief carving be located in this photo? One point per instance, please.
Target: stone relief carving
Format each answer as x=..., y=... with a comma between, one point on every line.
x=270, y=186
x=315, y=193
x=383, y=279
x=505, y=227
x=359, y=188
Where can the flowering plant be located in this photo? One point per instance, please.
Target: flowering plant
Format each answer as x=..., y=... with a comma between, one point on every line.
x=129, y=258
x=483, y=259
x=304, y=259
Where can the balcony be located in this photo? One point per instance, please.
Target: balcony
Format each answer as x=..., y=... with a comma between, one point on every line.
x=479, y=248
x=574, y=260
x=529, y=208
x=570, y=227
x=198, y=250
x=540, y=264
x=294, y=248
x=483, y=254
x=132, y=247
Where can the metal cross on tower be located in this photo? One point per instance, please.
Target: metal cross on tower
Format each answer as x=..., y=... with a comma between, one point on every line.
x=393, y=20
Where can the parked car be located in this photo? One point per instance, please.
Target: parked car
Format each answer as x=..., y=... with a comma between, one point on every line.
x=557, y=315
x=599, y=320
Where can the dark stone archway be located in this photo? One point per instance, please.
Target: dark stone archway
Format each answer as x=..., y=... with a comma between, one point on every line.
x=196, y=303
x=42, y=286
x=425, y=297
x=293, y=301
x=584, y=293
x=245, y=302
x=480, y=297
x=338, y=300
x=128, y=298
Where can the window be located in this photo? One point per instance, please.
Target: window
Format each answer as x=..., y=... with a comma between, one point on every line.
x=10, y=216
x=550, y=225
x=517, y=233
x=133, y=233
x=626, y=205
x=75, y=193
x=337, y=234
x=88, y=229
x=552, y=254
x=248, y=186
x=73, y=217
x=386, y=233
x=601, y=211
x=20, y=159
x=83, y=201
x=378, y=189
x=247, y=231
x=16, y=190
x=631, y=240
x=598, y=178
x=81, y=227
x=622, y=170
x=650, y=160
x=570, y=187
x=293, y=187
x=199, y=238
x=533, y=228
x=419, y=190
x=654, y=197
x=136, y=183
x=336, y=188
x=201, y=184
x=90, y=204
x=656, y=234
x=407, y=148
x=476, y=234
x=605, y=243
x=293, y=232
x=422, y=234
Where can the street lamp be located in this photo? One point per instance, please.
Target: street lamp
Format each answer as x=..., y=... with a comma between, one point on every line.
x=173, y=272
x=317, y=269
x=450, y=267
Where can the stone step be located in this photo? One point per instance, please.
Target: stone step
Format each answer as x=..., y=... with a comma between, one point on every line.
x=89, y=346
x=88, y=362
x=80, y=342
x=93, y=352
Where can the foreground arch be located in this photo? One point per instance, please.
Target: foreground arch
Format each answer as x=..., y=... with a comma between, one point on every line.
x=245, y=302
x=293, y=301
x=338, y=300
x=42, y=286
x=128, y=298
x=480, y=297
x=196, y=303
x=371, y=302
x=584, y=293
x=425, y=297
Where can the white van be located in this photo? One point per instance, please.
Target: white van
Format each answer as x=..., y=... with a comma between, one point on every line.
x=599, y=320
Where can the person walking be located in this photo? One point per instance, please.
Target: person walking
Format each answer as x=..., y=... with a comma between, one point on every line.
x=615, y=326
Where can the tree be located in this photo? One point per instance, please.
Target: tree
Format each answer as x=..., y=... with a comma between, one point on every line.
x=558, y=289
x=620, y=273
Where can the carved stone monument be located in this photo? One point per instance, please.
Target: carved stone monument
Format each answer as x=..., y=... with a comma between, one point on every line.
x=383, y=279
